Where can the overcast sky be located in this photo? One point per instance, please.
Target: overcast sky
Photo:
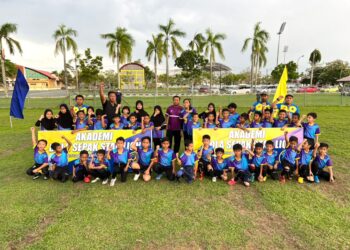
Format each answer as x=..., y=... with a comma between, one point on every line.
x=322, y=24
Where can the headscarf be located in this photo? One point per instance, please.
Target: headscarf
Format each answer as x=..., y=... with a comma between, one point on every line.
x=65, y=120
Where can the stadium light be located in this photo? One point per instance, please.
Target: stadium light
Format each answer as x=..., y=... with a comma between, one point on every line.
x=279, y=37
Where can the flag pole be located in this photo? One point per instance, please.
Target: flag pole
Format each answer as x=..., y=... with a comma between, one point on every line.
x=11, y=121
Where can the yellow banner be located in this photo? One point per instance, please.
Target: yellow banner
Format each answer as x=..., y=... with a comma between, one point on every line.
x=90, y=140
x=226, y=137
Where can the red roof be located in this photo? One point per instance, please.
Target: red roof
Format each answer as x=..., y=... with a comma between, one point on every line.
x=45, y=73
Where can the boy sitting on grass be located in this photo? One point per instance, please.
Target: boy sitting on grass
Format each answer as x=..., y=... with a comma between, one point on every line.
x=270, y=164
x=81, y=167
x=187, y=161
x=320, y=163
x=258, y=157
x=59, y=160
x=306, y=155
x=290, y=158
x=165, y=160
x=99, y=167
x=218, y=165
x=204, y=154
x=239, y=166
x=41, y=159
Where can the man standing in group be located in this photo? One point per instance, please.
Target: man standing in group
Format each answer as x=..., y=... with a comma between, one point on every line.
x=174, y=123
x=109, y=105
x=287, y=105
x=263, y=102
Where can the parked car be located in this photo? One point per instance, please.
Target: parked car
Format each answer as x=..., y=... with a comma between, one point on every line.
x=309, y=89
x=237, y=89
x=330, y=89
x=204, y=90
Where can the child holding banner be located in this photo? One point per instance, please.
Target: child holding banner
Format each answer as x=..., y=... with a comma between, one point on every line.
x=204, y=154
x=59, y=160
x=187, y=161
x=145, y=156
x=99, y=167
x=41, y=159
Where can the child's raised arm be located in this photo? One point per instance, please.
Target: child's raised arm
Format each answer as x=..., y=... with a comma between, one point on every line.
x=68, y=142
x=133, y=144
x=178, y=159
x=286, y=138
x=34, y=142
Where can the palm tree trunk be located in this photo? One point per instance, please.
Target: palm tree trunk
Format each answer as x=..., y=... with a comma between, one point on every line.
x=118, y=76
x=2, y=58
x=65, y=69
x=167, y=69
x=256, y=71
x=211, y=73
x=76, y=73
x=251, y=72
x=312, y=69
x=155, y=73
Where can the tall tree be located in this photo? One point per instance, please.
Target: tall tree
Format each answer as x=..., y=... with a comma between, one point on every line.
x=120, y=45
x=6, y=30
x=65, y=42
x=292, y=69
x=90, y=67
x=212, y=43
x=170, y=40
x=258, y=51
x=315, y=57
x=155, y=48
x=197, y=43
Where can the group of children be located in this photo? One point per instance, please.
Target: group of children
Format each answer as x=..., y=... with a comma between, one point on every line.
x=307, y=159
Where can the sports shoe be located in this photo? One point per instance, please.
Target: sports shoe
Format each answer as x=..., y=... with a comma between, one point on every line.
x=112, y=182
x=87, y=179
x=316, y=179
x=301, y=180
x=252, y=177
x=231, y=182
x=45, y=177
x=136, y=177
x=265, y=178
x=158, y=177
x=213, y=179
x=104, y=182
x=282, y=179
x=95, y=180
x=36, y=176
x=247, y=184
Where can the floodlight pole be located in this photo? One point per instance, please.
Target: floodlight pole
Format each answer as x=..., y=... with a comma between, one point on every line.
x=279, y=38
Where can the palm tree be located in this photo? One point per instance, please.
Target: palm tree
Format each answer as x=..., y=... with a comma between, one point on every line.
x=196, y=44
x=211, y=44
x=155, y=49
x=119, y=46
x=64, y=42
x=75, y=60
x=5, y=34
x=170, y=39
x=315, y=57
x=258, y=50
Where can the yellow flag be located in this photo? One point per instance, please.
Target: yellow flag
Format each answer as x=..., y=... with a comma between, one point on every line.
x=282, y=86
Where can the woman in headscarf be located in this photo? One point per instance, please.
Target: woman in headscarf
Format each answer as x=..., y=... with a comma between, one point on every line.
x=140, y=112
x=46, y=121
x=158, y=120
x=64, y=119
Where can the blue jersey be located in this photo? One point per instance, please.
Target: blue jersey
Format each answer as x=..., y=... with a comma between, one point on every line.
x=97, y=124
x=205, y=152
x=60, y=160
x=271, y=159
x=226, y=124
x=258, y=106
x=81, y=124
x=245, y=125
x=292, y=108
x=256, y=125
x=165, y=158
x=189, y=116
x=242, y=164
x=150, y=124
x=310, y=131
x=220, y=166
x=305, y=157
x=188, y=160
x=40, y=157
x=325, y=162
x=79, y=166
x=124, y=120
x=116, y=127
x=258, y=160
x=98, y=163
x=234, y=118
x=280, y=123
x=267, y=124
x=210, y=125
x=134, y=126
x=145, y=157
x=121, y=158
x=290, y=155
x=192, y=125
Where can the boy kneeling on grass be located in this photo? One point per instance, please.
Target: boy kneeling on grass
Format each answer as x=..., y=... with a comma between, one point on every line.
x=165, y=160
x=59, y=160
x=99, y=166
x=290, y=158
x=41, y=159
x=218, y=165
x=187, y=161
x=81, y=168
x=239, y=166
x=320, y=163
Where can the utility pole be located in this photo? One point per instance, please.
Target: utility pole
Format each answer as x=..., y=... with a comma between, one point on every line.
x=279, y=38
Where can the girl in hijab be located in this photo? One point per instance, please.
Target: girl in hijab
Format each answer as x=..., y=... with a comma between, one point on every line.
x=46, y=121
x=64, y=119
x=140, y=112
x=158, y=120
x=210, y=110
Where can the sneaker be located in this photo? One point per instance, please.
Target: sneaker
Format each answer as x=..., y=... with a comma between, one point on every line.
x=112, y=182
x=247, y=184
x=95, y=180
x=283, y=179
x=86, y=179
x=45, y=177
x=36, y=176
x=265, y=178
x=301, y=180
x=136, y=177
x=159, y=177
x=316, y=179
x=232, y=182
x=104, y=182
x=213, y=179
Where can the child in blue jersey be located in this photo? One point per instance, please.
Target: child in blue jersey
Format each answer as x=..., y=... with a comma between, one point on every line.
x=165, y=160
x=290, y=157
x=223, y=119
x=305, y=159
x=295, y=121
x=192, y=124
x=41, y=159
x=187, y=112
x=81, y=167
x=99, y=122
x=239, y=166
x=270, y=163
x=243, y=121
x=133, y=123
x=311, y=129
x=218, y=166
x=321, y=162
x=282, y=119
x=79, y=105
x=267, y=118
x=204, y=154
x=99, y=167
x=59, y=160
x=147, y=124
x=80, y=122
x=121, y=160
x=117, y=124
x=124, y=117
x=258, y=157
x=234, y=116
x=145, y=156
x=257, y=120
x=187, y=161
x=210, y=121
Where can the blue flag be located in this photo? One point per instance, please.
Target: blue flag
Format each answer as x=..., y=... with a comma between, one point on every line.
x=20, y=92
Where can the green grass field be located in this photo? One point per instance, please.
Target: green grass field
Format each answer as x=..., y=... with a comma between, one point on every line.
x=47, y=214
